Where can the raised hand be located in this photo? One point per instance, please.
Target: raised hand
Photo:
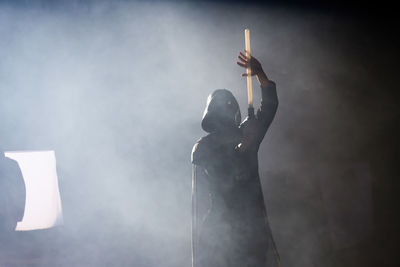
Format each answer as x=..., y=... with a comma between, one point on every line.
x=249, y=62
x=254, y=65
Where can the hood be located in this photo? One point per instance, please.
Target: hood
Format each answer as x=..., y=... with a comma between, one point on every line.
x=222, y=111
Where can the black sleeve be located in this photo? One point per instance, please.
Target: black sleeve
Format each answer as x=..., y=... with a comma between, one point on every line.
x=202, y=151
x=269, y=105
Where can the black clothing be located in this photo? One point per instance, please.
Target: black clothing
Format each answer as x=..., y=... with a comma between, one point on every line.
x=12, y=194
x=234, y=231
x=222, y=110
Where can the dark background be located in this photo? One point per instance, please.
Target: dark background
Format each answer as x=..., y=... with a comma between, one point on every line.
x=122, y=107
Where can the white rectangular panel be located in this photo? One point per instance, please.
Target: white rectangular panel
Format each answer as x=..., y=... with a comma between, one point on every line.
x=43, y=203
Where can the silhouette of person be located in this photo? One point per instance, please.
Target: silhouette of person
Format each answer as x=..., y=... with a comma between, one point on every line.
x=12, y=195
x=234, y=231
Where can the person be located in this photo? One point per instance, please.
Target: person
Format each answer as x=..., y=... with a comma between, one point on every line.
x=232, y=228
x=12, y=198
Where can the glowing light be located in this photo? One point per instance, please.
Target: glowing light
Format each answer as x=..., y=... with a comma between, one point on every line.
x=43, y=203
x=248, y=70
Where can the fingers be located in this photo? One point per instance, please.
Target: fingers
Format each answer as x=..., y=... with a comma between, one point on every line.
x=242, y=57
x=242, y=60
x=241, y=64
x=246, y=55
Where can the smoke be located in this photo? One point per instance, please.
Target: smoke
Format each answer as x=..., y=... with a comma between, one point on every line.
x=118, y=90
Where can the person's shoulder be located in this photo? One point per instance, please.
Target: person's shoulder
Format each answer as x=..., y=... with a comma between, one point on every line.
x=201, y=149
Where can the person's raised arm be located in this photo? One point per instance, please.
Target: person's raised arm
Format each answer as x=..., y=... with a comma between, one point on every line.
x=268, y=88
x=255, y=130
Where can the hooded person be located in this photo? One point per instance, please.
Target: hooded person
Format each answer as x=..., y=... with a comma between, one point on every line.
x=229, y=225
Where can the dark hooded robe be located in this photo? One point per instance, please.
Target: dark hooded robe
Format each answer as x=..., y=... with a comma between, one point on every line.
x=230, y=226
